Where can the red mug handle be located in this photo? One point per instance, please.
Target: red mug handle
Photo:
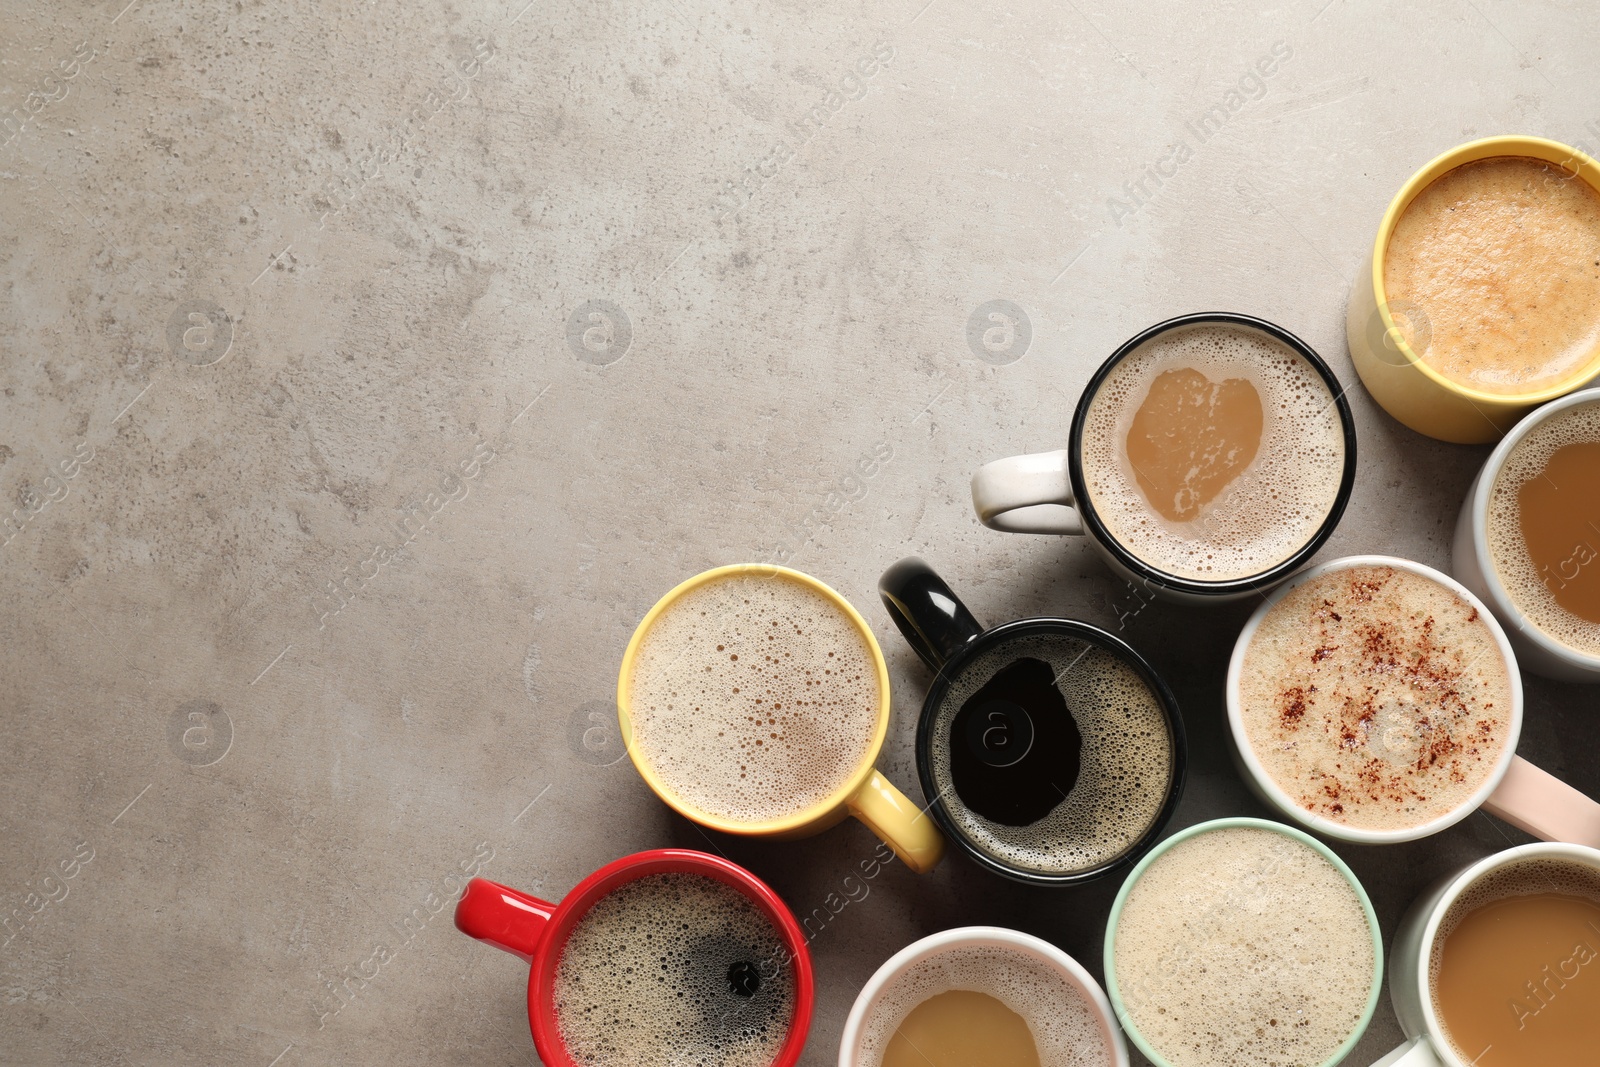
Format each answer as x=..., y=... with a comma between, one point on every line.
x=500, y=916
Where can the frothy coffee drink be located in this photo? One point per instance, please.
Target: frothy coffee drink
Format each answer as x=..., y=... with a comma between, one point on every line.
x=1029, y=1009
x=1514, y=969
x=674, y=968
x=1097, y=768
x=754, y=697
x=1375, y=697
x=1244, y=946
x=1499, y=261
x=1544, y=527
x=1213, y=452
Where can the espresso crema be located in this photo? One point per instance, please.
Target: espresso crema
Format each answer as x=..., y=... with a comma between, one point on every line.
x=674, y=968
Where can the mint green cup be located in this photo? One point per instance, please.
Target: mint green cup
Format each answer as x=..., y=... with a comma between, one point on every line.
x=1114, y=985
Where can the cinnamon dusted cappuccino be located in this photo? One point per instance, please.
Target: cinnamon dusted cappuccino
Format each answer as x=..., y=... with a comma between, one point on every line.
x=1502, y=258
x=1213, y=452
x=1376, y=697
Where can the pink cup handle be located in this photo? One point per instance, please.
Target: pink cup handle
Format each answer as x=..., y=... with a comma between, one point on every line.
x=1545, y=806
x=500, y=916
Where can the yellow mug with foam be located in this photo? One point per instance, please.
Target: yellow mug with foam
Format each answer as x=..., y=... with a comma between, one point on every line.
x=1390, y=364
x=683, y=751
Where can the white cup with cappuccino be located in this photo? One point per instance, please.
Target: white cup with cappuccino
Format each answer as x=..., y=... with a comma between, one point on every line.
x=1209, y=458
x=1528, y=538
x=1376, y=700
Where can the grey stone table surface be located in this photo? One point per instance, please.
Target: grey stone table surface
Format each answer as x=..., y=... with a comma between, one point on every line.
x=370, y=369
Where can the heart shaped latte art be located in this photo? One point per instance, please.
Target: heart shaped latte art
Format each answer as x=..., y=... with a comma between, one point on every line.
x=1190, y=438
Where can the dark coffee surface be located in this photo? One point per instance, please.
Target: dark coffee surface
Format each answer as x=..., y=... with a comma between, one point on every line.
x=1014, y=747
x=1050, y=755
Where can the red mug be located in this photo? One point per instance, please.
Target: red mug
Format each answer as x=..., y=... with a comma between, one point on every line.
x=536, y=931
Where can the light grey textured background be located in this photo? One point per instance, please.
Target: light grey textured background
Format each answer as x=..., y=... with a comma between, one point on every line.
x=357, y=547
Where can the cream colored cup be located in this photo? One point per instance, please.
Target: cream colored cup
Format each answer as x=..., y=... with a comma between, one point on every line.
x=1472, y=565
x=1393, y=373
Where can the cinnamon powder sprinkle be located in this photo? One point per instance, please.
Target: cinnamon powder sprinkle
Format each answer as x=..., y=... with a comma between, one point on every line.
x=1372, y=696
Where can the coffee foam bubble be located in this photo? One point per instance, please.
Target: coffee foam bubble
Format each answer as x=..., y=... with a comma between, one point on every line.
x=754, y=698
x=1508, y=551
x=1244, y=946
x=1126, y=761
x=1066, y=1029
x=1520, y=878
x=1272, y=508
x=1375, y=697
x=643, y=978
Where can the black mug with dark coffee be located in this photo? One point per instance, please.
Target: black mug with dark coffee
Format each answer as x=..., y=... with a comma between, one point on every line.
x=1048, y=749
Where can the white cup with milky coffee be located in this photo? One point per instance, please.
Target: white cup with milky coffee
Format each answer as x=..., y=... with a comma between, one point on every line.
x=1209, y=458
x=1528, y=538
x=981, y=996
x=1497, y=964
x=1376, y=700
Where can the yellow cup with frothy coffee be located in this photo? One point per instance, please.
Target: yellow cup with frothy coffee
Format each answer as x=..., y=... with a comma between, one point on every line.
x=1481, y=297
x=754, y=700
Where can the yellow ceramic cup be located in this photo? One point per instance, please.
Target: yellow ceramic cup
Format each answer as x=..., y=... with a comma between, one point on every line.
x=867, y=795
x=1408, y=388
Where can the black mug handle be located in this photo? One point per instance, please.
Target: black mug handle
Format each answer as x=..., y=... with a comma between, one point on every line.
x=933, y=619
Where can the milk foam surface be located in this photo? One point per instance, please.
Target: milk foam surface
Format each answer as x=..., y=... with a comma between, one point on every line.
x=1508, y=550
x=1375, y=697
x=1126, y=760
x=643, y=978
x=1272, y=507
x=1066, y=1029
x=1502, y=257
x=754, y=698
x=1244, y=946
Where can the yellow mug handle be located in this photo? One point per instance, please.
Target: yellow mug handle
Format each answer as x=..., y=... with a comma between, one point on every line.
x=904, y=827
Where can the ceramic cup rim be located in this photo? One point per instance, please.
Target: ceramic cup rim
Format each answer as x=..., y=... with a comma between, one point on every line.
x=1541, y=148
x=1006, y=632
x=1480, y=528
x=1083, y=503
x=943, y=941
x=788, y=823
x=1113, y=990
x=1433, y=1026
x=1281, y=799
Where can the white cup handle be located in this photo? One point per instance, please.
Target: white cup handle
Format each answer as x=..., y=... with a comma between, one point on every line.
x=1418, y=1052
x=1027, y=494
